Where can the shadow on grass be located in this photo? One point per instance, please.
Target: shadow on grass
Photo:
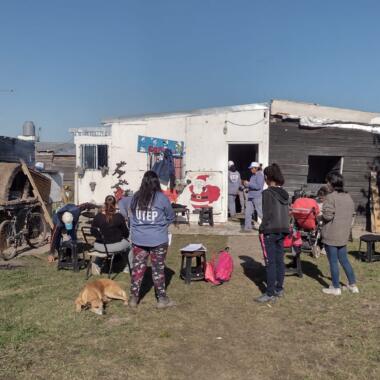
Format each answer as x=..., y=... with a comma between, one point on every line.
x=147, y=282
x=255, y=271
x=311, y=270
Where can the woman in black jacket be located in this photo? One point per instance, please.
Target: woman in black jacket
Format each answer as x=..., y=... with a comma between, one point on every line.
x=273, y=229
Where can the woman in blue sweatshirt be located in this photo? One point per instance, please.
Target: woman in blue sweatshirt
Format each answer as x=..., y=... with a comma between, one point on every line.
x=151, y=215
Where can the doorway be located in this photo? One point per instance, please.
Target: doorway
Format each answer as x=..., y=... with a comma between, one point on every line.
x=242, y=155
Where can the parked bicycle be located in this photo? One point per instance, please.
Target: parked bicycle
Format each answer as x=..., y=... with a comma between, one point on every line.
x=23, y=225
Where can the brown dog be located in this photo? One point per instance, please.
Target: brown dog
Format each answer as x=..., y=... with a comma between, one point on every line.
x=96, y=293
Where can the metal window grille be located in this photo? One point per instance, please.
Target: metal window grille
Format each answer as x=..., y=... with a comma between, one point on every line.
x=94, y=156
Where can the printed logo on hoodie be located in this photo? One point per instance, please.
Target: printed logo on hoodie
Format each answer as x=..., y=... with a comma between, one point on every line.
x=146, y=216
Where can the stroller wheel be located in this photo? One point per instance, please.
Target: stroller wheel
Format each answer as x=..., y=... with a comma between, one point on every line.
x=316, y=251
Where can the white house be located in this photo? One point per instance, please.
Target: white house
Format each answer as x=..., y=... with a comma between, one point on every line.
x=203, y=142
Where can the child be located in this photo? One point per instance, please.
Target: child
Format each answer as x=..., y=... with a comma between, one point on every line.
x=273, y=229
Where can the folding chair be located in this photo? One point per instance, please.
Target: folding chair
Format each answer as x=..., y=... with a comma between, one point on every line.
x=106, y=256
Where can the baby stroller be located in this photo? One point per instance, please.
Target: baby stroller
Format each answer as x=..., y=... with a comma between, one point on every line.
x=305, y=231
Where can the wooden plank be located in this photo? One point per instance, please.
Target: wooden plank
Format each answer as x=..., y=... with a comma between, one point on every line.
x=37, y=194
x=375, y=209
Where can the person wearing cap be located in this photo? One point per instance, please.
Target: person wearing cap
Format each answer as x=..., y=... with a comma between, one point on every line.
x=66, y=219
x=234, y=183
x=254, y=202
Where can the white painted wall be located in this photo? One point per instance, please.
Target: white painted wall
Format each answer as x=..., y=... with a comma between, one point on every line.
x=206, y=141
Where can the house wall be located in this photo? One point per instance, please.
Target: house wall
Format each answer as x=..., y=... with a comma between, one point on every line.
x=206, y=149
x=59, y=163
x=290, y=147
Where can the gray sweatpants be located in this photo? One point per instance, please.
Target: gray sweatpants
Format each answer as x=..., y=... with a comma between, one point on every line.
x=242, y=198
x=232, y=205
x=250, y=207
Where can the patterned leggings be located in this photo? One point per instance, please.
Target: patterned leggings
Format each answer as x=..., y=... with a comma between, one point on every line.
x=140, y=258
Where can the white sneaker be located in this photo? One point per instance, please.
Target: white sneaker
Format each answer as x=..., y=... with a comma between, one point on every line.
x=333, y=291
x=353, y=288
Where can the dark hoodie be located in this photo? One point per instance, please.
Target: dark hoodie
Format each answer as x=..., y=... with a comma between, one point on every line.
x=275, y=211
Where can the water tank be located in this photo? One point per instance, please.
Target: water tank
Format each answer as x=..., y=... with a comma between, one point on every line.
x=28, y=129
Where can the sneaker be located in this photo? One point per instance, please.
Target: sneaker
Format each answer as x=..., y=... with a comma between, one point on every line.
x=333, y=291
x=279, y=293
x=165, y=302
x=264, y=298
x=353, y=288
x=95, y=270
x=133, y=301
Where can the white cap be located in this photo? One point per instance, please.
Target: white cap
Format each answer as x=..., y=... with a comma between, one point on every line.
x=254, y=165
x=231, y=163
x=67, y=219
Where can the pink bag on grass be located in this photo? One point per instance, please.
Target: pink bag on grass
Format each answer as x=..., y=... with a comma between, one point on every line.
x=220, y=270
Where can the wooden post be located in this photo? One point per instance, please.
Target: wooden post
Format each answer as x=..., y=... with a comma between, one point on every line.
x=37, y=194
x=375, y=211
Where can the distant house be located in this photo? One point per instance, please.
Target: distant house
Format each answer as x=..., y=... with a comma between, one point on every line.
x=57, y=160
x=309, y=140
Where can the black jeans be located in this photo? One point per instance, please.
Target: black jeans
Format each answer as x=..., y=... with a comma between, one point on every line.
x=273, y=250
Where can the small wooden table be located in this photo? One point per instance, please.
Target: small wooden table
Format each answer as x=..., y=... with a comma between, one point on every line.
x=190, y=273
x=181, y=211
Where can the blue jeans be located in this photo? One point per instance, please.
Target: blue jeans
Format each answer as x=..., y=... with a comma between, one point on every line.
x=273, y=250
x=335, y=254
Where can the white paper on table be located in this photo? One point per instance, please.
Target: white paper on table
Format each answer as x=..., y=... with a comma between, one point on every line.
x=194, y=247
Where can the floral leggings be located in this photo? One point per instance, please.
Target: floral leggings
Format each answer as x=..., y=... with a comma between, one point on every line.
x=140, y=258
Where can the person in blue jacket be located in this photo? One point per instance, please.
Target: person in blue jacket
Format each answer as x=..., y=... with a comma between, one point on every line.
x=254, y=202
x=151, y=215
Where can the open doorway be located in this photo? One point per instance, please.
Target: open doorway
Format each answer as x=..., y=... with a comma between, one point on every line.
x=242, y=155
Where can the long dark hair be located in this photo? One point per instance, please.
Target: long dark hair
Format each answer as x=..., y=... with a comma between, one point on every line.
x=335, y=179
x=110, y=207
x=150, y=185
x=273, y=174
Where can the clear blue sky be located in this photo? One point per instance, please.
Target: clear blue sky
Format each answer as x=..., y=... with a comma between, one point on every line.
x=73, y=63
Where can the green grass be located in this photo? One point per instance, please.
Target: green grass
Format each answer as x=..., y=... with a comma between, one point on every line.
x=214, y=333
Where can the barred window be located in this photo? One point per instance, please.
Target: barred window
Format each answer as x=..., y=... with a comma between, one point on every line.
x=94, y=156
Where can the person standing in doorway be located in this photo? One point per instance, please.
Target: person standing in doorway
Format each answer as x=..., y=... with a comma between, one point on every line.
x=234, y=183
x=337, y=213
x=254, y=202
x=151, y=215
x=273, y=229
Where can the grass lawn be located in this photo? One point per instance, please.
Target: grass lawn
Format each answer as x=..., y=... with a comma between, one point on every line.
x=214, y=333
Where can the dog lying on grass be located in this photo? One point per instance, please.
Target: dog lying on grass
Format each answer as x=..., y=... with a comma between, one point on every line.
x=98, y=292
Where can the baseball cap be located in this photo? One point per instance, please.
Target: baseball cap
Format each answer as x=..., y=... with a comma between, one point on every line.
x=67, y=219
x=230, y=163
x=254, y=165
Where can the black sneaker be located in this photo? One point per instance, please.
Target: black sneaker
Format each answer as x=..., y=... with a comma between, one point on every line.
x=264, y=298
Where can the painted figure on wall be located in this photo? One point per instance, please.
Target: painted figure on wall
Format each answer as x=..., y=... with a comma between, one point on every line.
x=203, y=193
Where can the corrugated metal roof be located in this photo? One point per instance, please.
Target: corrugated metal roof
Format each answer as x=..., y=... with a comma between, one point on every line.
x=202, y=111
x=58, y=148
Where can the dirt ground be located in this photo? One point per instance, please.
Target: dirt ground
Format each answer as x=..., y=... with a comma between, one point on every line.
x=213, y=333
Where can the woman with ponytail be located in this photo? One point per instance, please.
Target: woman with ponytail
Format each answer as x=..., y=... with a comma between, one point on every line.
x=113, y=228
x=151, y=215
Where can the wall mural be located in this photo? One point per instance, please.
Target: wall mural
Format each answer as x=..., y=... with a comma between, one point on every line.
x=146, y=144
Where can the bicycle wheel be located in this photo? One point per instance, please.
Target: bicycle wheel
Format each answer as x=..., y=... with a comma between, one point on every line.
x=8, y=247
x=36, y=230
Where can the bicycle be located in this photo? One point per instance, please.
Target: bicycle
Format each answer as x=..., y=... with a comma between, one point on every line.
x=25, y=226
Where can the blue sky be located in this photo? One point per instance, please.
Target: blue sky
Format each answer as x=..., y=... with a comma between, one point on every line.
x=73, y=63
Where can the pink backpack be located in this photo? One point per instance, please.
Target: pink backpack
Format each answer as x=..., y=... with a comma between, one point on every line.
x=219, y=270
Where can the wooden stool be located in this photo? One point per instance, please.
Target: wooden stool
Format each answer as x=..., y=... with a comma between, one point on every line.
x=187, y=271
x=206, y=215
x=370, y=254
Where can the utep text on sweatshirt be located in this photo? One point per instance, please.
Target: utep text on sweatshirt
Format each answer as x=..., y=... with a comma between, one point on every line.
x=275, y=211
x=256, y=185
x=149, y=228
x=234, y=182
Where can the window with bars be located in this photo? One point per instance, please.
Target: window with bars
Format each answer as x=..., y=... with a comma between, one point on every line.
x=94, y=156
